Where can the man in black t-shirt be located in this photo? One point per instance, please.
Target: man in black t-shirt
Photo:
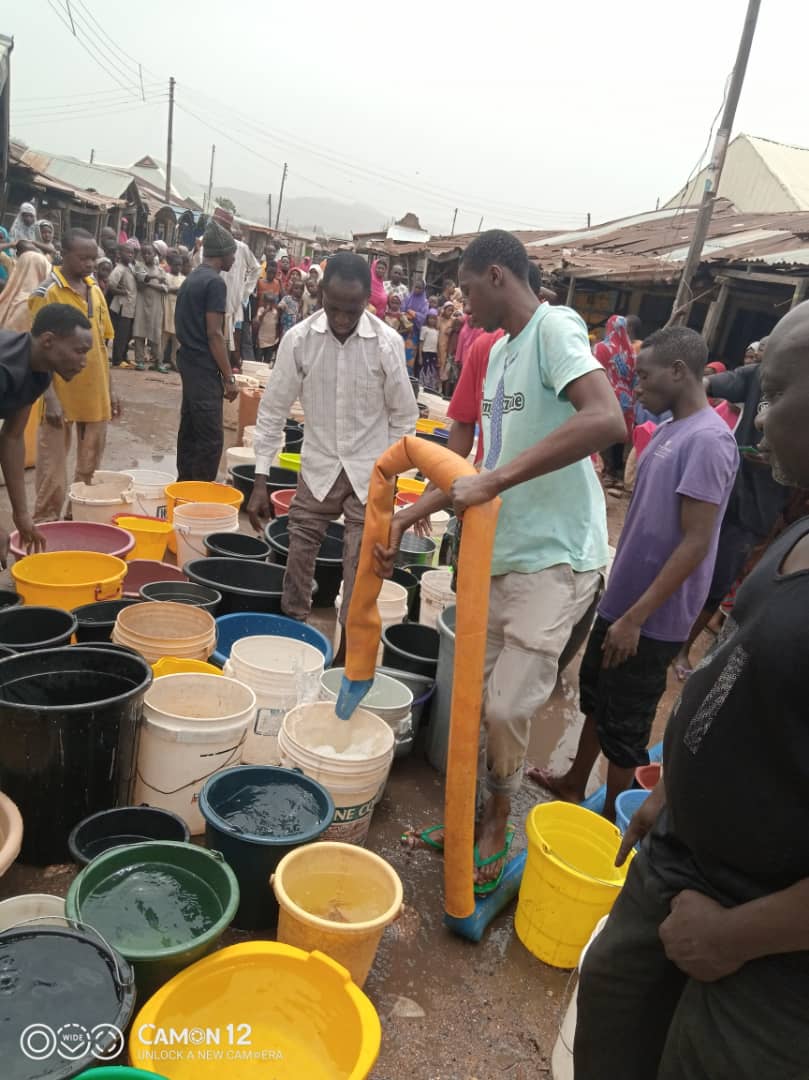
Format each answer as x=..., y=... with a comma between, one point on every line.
x=205, y=370
x=702, y=970
x=59, y=341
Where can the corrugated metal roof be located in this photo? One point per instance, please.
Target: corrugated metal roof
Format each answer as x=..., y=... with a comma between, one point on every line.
x=79, y=174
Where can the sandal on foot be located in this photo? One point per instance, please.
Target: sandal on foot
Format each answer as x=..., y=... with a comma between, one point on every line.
x=411, y=837
x=486, y=887
x=140, y=367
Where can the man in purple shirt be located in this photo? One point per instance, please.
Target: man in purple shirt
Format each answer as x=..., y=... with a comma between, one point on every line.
x=662, y=569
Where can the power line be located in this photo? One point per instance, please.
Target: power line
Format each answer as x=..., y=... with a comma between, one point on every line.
x=430, y=193
x=55, y=111
x=136, y=107
x=60, y=14
x=443, y=194
x=76, y=97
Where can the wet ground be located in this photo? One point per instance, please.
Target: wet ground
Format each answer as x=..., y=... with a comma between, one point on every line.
x=450, y=1009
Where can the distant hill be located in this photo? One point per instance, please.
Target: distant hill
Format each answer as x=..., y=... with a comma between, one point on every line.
x=308, y=213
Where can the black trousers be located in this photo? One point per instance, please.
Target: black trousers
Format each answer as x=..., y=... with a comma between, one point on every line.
x=202, y=434
x=641, y=1018
x=123, y=335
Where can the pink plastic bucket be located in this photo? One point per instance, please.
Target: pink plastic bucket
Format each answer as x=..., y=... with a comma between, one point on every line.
x=80, y=536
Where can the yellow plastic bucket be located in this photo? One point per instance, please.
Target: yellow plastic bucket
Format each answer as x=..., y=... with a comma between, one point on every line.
x=570, y=880
x=290, y=461
x=427, y=426
x=175, y=665
x=151, y=535
x=68, y=579
x=277, y=1012
x=338, y=899
x=411, y=485
x=198, y=491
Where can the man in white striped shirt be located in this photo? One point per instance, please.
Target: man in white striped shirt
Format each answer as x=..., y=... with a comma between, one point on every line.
x=348, y=370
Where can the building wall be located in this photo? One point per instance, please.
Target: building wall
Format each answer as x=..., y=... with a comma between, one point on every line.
x=746, y=181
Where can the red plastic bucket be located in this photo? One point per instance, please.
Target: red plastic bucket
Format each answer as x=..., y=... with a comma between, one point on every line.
x=648, y=775
x=281, y=500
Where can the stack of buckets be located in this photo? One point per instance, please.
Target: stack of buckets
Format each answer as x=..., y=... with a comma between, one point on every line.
x=283, y=673
x=217, y=511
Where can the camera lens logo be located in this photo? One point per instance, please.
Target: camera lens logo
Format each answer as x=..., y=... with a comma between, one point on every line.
x=72, y=1042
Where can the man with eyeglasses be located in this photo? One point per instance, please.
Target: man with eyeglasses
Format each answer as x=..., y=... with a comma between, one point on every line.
x=755, y=504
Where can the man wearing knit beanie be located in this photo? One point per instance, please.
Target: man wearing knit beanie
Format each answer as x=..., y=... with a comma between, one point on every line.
x=203, y=361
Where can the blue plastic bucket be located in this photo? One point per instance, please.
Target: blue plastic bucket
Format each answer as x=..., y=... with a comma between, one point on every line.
x=242, y=624
x=626, y=804
x=254, y=815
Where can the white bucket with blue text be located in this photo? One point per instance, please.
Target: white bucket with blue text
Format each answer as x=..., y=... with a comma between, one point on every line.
x=350, y=758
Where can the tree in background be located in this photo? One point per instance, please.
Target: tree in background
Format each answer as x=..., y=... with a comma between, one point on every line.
x=226, y=204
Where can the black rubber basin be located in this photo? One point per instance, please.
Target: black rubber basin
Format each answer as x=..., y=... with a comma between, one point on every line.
x=277, y=479
x=328, y=564
x=245, y=584
x=236, y=545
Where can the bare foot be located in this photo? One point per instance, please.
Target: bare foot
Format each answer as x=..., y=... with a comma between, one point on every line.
x=557, y=785
x=490, y=837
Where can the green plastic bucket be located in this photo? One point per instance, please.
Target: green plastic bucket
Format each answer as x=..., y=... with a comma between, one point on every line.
x=163, y=905
x=118, y=1072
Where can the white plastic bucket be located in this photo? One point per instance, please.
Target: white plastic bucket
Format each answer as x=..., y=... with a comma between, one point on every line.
x=436, y=595
x=193, y=726
x=239, y=455
x=24, y=909
x=282, y=673
x=248, y=435
x=439, y=522
x=194, y=521
x=562, y=1058
x=110, y=493
x=391, y=605
x=388, y=698
x=149, y=491
x=350, y=758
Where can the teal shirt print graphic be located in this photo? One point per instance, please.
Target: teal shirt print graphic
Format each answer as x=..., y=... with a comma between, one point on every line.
x=558, y=518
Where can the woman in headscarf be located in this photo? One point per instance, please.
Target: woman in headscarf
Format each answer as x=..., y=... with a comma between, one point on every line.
x=617, y=357
x=24, y=226
x=416, y=307
x=6, y=261
x=30, y=270
x=397, y=319
x=379, y=297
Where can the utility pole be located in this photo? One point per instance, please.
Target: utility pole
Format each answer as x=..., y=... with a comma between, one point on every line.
x=92, y=156
x=588, y=219
x=480, y=224
x=210, y=181
x=684, y=298
x=281, y=195
x=269, y=211
x=454, y=219
x=170, y=139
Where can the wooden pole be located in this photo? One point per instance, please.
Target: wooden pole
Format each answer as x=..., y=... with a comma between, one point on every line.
x=170, y=140
x=210, y=181
x=454, y=219
x=281, y=195
x=571, y=292
x=683, y=299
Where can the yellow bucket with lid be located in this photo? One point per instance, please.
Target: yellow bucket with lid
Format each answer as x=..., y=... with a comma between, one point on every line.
x=570, y=880
x=68, y=579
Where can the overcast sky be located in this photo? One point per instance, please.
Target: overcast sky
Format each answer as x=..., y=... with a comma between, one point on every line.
x=529, y=115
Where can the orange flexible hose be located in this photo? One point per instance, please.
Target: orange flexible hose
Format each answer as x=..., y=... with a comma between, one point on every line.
x=364, y=627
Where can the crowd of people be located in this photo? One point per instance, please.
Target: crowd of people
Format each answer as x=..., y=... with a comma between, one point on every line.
x=708, y=940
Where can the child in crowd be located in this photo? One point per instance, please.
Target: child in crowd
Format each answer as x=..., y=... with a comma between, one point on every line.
x=395, y=317
x=174, y=279
x=267, y=321
x=427, y=362
x=310, y=301
x=289, y=309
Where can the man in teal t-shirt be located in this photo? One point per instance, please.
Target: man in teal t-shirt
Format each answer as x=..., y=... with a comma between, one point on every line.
x=547, y=406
